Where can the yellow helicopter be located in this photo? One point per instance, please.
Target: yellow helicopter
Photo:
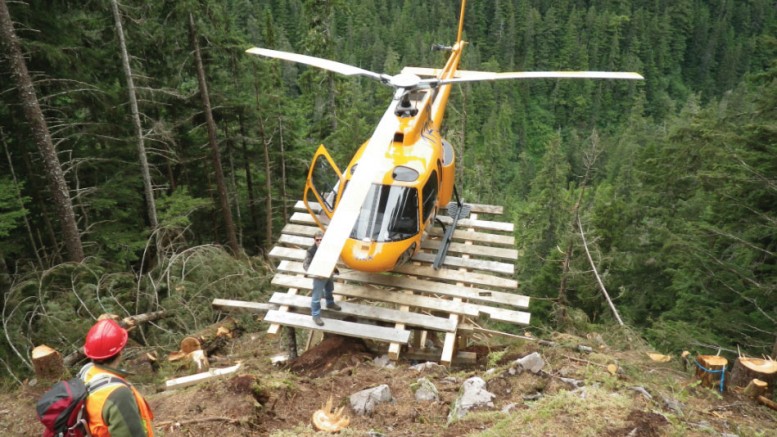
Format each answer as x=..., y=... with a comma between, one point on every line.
x=378, y=211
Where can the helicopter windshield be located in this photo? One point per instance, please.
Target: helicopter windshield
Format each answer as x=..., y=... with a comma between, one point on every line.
x=389, y=213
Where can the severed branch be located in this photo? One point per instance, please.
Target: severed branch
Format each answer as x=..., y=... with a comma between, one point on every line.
x=199, y=420
x=598, y=279
x=126, y=323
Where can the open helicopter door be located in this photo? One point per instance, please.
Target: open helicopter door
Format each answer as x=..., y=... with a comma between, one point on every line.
x=323, y=183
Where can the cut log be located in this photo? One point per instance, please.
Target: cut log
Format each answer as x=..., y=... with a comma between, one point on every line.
x=48, y=363
x=755, y=388
x=710, y=369
x=746, y=369
x=768, y=402
x=216, y=336
x=77, y=356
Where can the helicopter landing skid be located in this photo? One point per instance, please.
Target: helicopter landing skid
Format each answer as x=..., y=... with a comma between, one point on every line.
x=457, y=211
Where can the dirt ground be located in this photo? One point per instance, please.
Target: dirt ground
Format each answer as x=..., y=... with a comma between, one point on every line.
x=266, y=400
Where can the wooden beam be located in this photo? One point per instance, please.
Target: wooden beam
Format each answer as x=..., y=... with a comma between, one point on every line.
x=371, y=312
x=480, y=237
x=421, y=285
x=467, y=263
x=186, y=381
x=475, y=207
x=484, y=225
x=340, y=327
x=382, y=295
x=472, y=249
x=466, y=278
x=239, y=305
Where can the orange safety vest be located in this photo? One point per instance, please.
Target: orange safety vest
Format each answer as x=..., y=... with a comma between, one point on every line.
x=95, y=403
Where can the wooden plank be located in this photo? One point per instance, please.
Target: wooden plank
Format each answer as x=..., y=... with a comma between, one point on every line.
x=429, y=244
x=305, y=219
x=468, y=263
x=240, y=305
x=479, y=208
x=382, y=295
x=472, y=249
x=301, y=230
x=302, y=218
x=340, y=327
x=295, y=240
x=475, y=207
x=421, y=285
x=505, y=315
x=186, y=381
x=372, y=312
x=459, y=276
x=286, y=253
x=479, y=237
x=280, y=252
x=477, y=224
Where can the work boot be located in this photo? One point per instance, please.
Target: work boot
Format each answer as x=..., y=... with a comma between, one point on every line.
x=318, y=320
x=334, y=307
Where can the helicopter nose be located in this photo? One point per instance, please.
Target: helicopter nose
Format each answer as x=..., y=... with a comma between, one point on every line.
x=370, y=256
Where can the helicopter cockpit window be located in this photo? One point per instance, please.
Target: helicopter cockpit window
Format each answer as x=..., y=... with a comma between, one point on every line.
x=326, y=181
x=389, y=213
x=404, y=174
x=430, y=195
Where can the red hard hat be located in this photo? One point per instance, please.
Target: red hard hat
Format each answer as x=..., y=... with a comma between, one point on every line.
x=104, y=340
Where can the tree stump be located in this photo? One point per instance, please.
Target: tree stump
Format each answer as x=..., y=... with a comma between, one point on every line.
x=710, y=369
x=746, y=369
x=755, y=388
x=48, y=363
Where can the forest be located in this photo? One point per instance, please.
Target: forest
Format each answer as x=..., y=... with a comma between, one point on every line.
x=148, y=162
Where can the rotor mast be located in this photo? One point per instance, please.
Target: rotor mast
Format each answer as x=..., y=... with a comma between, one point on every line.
x=448, y=72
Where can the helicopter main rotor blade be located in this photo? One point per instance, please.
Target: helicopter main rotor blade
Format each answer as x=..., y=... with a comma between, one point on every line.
x=337, y=67
x=476, y=76
x=350, y=205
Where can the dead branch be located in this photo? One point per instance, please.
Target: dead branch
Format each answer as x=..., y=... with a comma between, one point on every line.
x=199, y=420
x=596, y=273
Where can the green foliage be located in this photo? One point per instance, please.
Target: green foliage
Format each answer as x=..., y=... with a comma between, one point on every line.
x=175, y=209
x=11, y=211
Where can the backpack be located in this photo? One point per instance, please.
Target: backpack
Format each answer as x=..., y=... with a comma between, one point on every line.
x=62, y=409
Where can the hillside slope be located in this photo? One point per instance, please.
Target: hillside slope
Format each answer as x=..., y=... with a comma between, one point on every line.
x=574, y=394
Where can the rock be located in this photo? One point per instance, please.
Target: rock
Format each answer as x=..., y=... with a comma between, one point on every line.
x=509, y=407
x=532, y=362
x=425, y=391
x=383, y=361
x=673, y=404
x=473, y=395
x=364, y=402
x=428, y=366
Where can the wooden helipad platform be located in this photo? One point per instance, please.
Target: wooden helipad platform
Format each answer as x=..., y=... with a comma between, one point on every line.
x=404, y=306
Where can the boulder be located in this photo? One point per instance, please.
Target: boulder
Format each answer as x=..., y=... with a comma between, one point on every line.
x=473, y=394
x=364, y=402
x=425, y=391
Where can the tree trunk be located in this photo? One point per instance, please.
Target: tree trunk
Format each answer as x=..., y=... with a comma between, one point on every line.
x=147, y=185
x=233, y=184
x=747, y=369
x=268, y=185
x=284, y=197
x=229, y=225
x=291, y=342
x=249, y=180
x=40, y=132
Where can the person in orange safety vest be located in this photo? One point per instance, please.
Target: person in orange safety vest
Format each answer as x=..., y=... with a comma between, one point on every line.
x=116, y=408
